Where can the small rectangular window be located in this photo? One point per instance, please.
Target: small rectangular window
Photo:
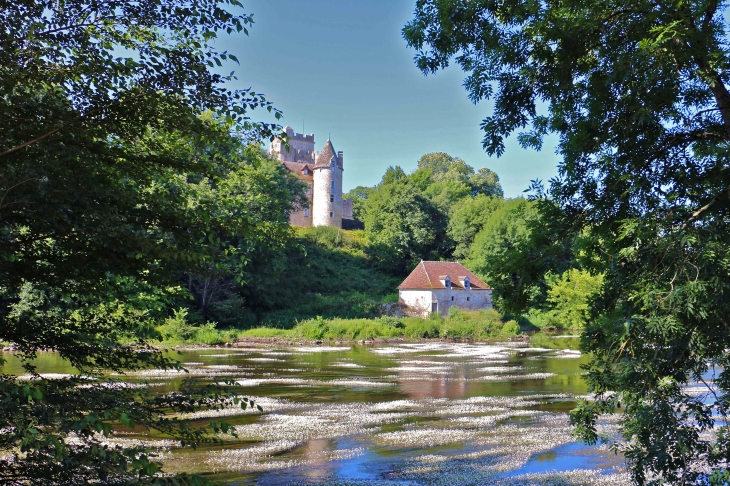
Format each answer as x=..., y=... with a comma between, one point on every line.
x=331, y=214
x=452, y=297
x=467, y=299
x=333, y=185
x=332, y=198
x=306, y=212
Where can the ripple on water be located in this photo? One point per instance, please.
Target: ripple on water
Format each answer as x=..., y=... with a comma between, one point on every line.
x=432, y=432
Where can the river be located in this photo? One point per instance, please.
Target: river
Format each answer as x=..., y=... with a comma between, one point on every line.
x=431, y=413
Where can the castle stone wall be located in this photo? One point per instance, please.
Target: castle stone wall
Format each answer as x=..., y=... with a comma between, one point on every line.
x=327, y=200
x=301, y=147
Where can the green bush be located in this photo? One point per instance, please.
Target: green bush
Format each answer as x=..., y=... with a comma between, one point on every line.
x=312, y=329
x=416, y=328
x=391, y=298
x=176, y=328
x=511, y=328
x=537, y=319
x=208, y=334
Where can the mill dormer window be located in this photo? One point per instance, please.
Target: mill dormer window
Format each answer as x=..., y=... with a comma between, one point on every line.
x=467, y=283
x=447, y=282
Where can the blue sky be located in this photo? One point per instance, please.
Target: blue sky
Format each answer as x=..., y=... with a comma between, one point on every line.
x=341, y=67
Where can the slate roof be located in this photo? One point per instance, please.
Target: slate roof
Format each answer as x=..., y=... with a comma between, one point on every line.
x=428, y=276
x=324, y=157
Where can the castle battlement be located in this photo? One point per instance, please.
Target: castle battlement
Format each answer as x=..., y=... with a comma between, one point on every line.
x=322, y=172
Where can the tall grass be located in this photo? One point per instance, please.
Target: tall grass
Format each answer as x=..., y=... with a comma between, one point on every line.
x=458, y=325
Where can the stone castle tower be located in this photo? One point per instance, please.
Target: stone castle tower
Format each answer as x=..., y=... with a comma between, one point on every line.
x=327, y=200
x=323, y=174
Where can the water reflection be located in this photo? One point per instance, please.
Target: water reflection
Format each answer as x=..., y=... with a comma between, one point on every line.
x=424, y=413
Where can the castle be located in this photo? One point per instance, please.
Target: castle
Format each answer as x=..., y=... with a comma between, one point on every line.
x=323, y=174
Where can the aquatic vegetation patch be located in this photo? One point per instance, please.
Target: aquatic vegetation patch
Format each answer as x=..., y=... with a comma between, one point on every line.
x=347, y=365
x=417, y=369
x=586, y=477
x=527, y=376
x=321, y=349
x=486, y=420
x=52, y=376
x=499, y=369
x=256, y=458
x=424, y=437
x=249, y=382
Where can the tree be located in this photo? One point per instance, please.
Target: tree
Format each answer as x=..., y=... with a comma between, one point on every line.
x=358, y=196
x=570, y=295
x=403, y=226
x=436, y=162
x=101, y=143
x=468, y=217
x=486, y=182
x=442, y=167
x=254, y=185
x=638, y=96
x=503, y=255
x=446, y=193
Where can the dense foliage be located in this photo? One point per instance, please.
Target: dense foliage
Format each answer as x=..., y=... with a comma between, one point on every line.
x=111, y=187
x=637, y=93
x=408, y=217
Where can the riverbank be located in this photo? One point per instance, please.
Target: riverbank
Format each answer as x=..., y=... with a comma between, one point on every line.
x=458, y=325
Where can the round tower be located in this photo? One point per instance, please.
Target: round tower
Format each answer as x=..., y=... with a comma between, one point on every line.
x=327, y=190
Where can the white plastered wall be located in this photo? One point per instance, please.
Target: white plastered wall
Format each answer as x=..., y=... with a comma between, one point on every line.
x=421, y=300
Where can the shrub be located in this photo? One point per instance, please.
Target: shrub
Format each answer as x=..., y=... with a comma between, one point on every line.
x=511, y=328
x=416, y=328
x=312, y=329
x=208, y=334
x=176, y=327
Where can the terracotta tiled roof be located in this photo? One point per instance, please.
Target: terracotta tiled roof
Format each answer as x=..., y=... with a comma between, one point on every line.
x=428, y=275
x=327, y=154
x=297, y=167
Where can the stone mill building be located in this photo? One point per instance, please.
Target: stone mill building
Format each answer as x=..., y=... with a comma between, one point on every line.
x=322, y=171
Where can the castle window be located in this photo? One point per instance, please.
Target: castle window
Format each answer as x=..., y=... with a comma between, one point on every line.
x=305, y=172
x=332, y=214
x=467, y=299
x=333, y=185
x=332, y=198
x=452, y=297
x=306, y=212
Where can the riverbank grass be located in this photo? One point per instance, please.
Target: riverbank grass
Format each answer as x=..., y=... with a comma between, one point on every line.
x=457, y=324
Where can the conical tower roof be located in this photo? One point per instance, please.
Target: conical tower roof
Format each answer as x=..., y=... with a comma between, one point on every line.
x=327, y=154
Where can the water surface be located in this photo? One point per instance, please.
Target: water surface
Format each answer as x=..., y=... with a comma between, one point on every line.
x=421, y=413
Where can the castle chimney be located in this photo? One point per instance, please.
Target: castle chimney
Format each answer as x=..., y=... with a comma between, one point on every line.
x=339, y=156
